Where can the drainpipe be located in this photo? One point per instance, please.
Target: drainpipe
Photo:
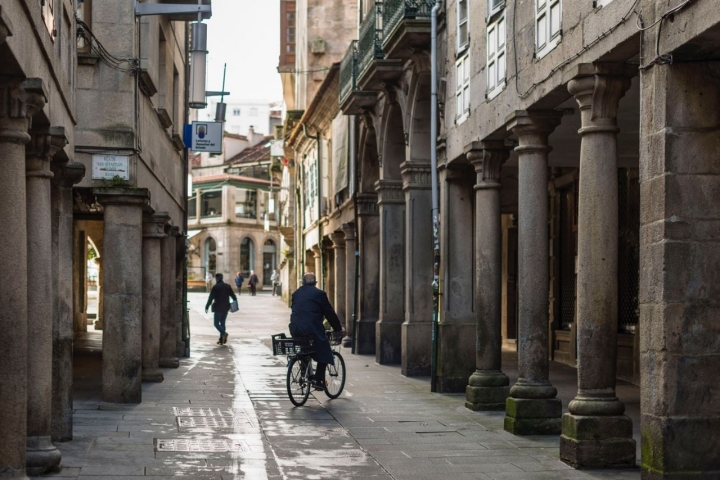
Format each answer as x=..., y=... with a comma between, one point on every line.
x=353, y=158
x=434, y=180
x=318, y=139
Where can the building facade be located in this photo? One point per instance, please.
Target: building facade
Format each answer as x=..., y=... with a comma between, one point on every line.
x=569, y=136
x=93, y=101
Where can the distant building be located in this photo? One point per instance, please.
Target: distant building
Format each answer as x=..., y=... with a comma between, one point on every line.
x=241, y=115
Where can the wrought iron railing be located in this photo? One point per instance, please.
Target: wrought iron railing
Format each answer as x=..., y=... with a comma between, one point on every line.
x=349, y=71
x=370, y=41
x=395, y=11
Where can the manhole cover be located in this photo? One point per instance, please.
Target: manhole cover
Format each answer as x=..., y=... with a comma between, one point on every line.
x=202, y=412
x=190, y=445
x=213, y=422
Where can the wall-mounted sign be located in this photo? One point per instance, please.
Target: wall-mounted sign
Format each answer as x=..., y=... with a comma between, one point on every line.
x=277, y=148
x=107, y=167
x=207, y=137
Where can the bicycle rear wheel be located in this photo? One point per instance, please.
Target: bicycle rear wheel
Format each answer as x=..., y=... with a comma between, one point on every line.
x=335, y=376
x=298, y=387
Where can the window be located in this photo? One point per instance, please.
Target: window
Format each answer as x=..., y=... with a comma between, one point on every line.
x=462, y=94
x=311, y=192
x=600, y=3
x=247, y=256
x=82, y=11
x=245, y=203
x=548, y=17
x=463, y=34
x=495, y=6
x=236, y=112
x=496, y=57
x=210, y=256
x=47, y=9
x=192, y=207
x=212, y=204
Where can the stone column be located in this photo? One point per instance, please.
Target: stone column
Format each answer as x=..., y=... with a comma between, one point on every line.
x=349, y=231
x=388, y=335
x=369, y=292
x=338, y=247
x=417, y=327
x=122, y=250
x=532, y=408
x=65, y=176
x=317, y=269
x=101, y=302
x=153, y=234
x=168, y=325
x=45, y=142
x=488, y=386
x=18, y=102
x=595, y=432
x=456, y=328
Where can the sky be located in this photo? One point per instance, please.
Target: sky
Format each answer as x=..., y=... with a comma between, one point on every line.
x=245, y=34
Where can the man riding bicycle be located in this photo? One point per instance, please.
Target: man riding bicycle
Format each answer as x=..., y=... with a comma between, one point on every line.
x=309, y=306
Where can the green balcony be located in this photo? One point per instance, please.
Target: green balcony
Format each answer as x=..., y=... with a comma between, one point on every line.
x=370, y=41
x=349, y=72
x=406, y=27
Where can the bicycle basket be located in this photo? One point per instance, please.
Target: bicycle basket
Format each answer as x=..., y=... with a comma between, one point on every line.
x=292, y=346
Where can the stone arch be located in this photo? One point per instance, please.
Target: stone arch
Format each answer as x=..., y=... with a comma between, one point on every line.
x=269, y=251
x=368, y=155
x=247, y=255
x=393, y=148
x=210, y=255
x=419, y=114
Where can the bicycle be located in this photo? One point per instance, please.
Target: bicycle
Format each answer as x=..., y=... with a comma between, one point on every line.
x=300, y=366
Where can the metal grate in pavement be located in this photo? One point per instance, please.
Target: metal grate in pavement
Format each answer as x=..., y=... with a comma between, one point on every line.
x=213, y=422
x=192, y=445
x=202, y=412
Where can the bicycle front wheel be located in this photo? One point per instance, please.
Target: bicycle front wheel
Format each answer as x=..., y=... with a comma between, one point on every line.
x=335, y=376
x=298, y=387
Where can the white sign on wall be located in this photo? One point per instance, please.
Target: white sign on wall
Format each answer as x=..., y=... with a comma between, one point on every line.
x=107, y=167
x=277, y=148
x=207, y=137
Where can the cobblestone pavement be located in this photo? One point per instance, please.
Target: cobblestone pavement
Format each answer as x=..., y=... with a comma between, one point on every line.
x=224, y=414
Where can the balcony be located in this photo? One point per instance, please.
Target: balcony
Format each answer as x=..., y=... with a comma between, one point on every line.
x=373, y=70
x=352, y=99
x=406, y=27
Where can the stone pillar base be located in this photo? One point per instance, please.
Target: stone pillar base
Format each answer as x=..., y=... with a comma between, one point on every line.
x=347, y=341
x=416, y=349
x=536, y=416
x=365, y=341
x=172, y=362
x=487, y=390
x=388, y=341
x=597, y=442
x=98, y=325
x=152, y=375
x=42, y=456
x=456, y=357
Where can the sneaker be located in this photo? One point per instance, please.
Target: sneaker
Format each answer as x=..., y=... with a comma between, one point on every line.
x=223, y=339
x=219, y=342
x=318, y=385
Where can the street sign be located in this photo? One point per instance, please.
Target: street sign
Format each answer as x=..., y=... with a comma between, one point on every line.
x=107, y=167
x=277, y=148
x=207, y=137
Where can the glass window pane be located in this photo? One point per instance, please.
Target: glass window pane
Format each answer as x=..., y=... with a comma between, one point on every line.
x=192, y=207
x=541, y=31
x=463, y=35
x=462, y=9
x=554, y=19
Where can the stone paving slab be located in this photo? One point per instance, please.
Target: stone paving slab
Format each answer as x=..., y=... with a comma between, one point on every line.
x=224, y=414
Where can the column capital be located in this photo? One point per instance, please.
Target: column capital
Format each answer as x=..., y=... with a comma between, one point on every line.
x=390, y=192
x=367, y=204
x=36, y=96
x=45, y=142
x=487, y=157
x=598, y=88
x=122, y=196
x=154, y=224
x=6, y=26
x=338, y=239
x=67, y=174
x=13, y=112
x=415, y=175
x=533, y=127
x=174, y=231
x=457, y=171
x=349, y=231
x=316, y=251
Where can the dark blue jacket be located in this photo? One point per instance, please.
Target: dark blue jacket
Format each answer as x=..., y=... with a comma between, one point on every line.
x=239, y=281
x=309, y=306
x=220, y=297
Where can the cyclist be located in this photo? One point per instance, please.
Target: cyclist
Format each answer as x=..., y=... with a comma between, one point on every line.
x=309, y=306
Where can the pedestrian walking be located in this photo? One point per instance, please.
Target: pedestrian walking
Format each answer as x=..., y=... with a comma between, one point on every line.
x=239, y=279
x=208, y=281
x=219, y=301
x=275, y=280
x=309, y=306
x=253, y=281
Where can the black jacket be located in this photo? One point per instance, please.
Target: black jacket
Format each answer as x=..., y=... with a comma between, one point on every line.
x=220, y=297
x=309, y=306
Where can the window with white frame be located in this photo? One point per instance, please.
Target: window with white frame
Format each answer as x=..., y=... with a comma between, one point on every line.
x=47, y=11
x=496, y=56
x=548, y=19
x=463, y=32
x=495, y=6
x=600, y=3
x=462, y=94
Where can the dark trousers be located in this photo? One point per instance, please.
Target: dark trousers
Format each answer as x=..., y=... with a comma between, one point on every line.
x=239, y=290
x=220, y=318
x=252, y=289
x=276, y=289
